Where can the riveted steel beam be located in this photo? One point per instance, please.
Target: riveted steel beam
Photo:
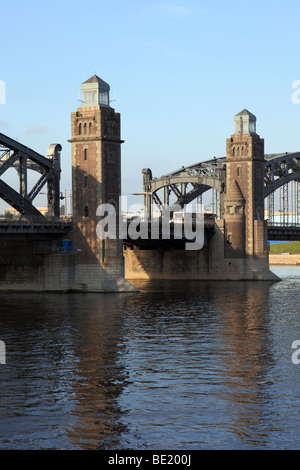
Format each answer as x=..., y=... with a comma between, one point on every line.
x=13, y=154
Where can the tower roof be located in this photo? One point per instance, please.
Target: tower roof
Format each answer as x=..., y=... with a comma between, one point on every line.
x=245, y=112
x=245, y=123
x=95, y=92
x=234, y=192
x=96, y=79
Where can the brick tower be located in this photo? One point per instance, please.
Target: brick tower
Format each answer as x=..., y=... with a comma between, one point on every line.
x=244, y=199
x=96, y=179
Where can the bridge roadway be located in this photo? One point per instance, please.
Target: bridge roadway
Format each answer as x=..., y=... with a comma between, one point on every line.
x=166, y=235
x=276, y=231
x=63, y=226
x=11, y=226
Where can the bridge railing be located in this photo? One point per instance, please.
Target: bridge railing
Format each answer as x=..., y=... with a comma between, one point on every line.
x=283, y=224
x=24, y=225
x=22, y=218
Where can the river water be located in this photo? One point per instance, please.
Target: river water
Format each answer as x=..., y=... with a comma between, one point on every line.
x=195, y=365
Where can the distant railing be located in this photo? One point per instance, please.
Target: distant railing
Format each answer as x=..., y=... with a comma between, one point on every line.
x=283, y=224
x=28, y=220
x=35, y=225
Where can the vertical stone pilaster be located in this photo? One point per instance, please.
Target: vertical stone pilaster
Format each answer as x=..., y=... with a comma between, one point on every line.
x=245, y=169
x=96, y=177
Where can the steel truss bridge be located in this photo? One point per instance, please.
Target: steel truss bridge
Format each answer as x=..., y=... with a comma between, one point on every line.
x=281, y=181
x=21, y=158
x=18, y=156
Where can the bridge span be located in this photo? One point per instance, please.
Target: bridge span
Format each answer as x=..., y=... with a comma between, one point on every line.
x=15, y=155
x=235, y=241
x=190, y=182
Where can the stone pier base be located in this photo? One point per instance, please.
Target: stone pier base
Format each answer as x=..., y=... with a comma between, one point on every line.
x=193, y=265
x=57, y=273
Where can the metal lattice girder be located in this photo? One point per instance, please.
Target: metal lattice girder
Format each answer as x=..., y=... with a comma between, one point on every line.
x=9, y=161
x=280, y=169
x=200, y=176
x=16, y=155
x=39, y=184
x=271, y=207
x=14, y=199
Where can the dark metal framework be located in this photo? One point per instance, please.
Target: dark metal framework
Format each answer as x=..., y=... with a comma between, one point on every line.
x=280, y=169
x=186, y=183
x=189, y=182
x=16, y=155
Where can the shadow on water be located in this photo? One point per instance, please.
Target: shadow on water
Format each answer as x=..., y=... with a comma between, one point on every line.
x=218, y=331
x=176, y=365
x=61, y=376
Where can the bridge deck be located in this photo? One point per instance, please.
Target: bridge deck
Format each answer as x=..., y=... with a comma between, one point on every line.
x=276, y=231
x=288, y=232
x=19, y=226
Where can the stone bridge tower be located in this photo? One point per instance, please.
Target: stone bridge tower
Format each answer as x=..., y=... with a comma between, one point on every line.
x=96, y=179
x=244, y=200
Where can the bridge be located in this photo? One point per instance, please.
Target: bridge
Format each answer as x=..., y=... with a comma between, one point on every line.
x=182, y=186
x=245, y=187
x=281, y=184
x=16, y=155
x=22, y=159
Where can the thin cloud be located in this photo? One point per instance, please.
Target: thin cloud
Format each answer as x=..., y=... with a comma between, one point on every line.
x=36, y=129
x=172, y=10
x=3, y=124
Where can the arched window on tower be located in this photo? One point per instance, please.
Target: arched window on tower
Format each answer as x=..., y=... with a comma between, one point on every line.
x=80, y=129
x=242, y=151
x=90, y=127
x=258, y=214
x=238, y=151
x=85, y=128
x=233, y=151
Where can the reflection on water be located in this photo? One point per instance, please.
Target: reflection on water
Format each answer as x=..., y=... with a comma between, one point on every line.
x=195, y=365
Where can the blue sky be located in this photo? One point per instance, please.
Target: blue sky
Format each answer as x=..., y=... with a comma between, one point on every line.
x=180, y=71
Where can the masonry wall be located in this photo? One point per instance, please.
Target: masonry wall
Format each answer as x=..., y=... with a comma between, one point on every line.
x=34, y=264
x=166, y=264
x=209, y=263
x=41, y=265
x=155, y=264
x=247, y=169
x=285, y=260
x=96, y=179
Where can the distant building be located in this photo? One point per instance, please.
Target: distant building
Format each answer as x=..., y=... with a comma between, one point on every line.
x=11, y=212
